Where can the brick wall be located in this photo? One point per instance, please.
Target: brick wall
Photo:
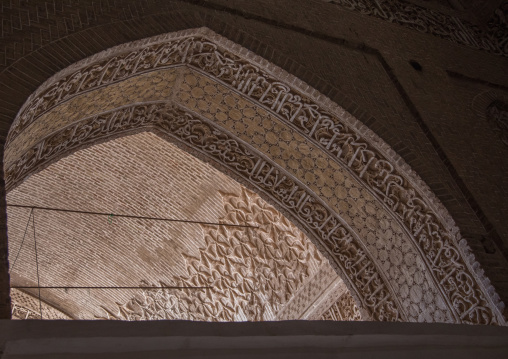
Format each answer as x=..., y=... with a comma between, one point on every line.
x=360, y=62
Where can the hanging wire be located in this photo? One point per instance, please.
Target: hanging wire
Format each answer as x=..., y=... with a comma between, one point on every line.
x=21, y=246
x=135, y=287
x=110, y=216
x=37, y=263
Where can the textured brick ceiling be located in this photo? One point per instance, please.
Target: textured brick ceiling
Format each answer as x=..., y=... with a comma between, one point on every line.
x=142, y=175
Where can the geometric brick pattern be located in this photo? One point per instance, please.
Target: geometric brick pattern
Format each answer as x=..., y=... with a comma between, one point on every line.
x=25, y=306
x=29, y=25
x=243, y=85
x=118, y=177
x=309, y=41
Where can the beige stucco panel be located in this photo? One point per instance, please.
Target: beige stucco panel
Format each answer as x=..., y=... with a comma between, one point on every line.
x=142, y=175
x=389, y=245
x=152, y=86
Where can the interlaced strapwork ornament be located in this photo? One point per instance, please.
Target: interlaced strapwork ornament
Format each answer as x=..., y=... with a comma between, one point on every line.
x=251, y=273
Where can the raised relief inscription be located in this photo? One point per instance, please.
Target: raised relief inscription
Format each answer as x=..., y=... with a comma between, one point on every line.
x=443, y=250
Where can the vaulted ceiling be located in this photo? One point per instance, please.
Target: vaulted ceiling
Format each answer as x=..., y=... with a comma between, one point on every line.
x=386, y=233
x=267, y=271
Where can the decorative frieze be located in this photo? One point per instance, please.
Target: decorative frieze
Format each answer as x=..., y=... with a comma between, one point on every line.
x=444, y=252
x=307, y=295
x=454, y=29
x=25, y=306
x=243, y=161
x=252, y=273
x=343, y=309
x=21, y=312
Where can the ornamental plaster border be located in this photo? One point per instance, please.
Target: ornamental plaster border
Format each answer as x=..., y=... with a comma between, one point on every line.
x=327, y=105
x=151, y=115
x=30, y=303
x=319, y=243
x=279, y=73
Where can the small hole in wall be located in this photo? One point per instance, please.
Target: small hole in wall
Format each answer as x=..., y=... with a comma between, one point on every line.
x=488, y=245
x=416, y=65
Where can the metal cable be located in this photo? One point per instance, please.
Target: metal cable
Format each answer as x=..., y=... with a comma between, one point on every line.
x=131, y=216
x=37, y=263
x=21, y=246
x=16, y=287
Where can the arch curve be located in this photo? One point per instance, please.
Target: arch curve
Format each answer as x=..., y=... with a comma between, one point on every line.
x=197, y=87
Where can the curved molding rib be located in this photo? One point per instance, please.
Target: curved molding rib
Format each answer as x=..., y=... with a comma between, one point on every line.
x=246, y=163
x=353, y=146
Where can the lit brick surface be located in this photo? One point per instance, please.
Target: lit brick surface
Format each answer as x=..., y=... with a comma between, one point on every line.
x=139, y=175
x=359, y=62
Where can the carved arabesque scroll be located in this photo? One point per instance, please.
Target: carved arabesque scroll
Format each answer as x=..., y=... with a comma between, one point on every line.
x=451, y=28
x=374, y=164
x=251, y=273
x=343, y=309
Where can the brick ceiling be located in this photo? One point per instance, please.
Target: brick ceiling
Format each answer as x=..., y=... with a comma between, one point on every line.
x=141, y=175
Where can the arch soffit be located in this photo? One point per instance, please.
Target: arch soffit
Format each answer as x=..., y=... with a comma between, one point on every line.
x=320, y=122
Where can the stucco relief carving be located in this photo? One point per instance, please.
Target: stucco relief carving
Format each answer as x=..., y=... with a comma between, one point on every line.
x=170, y=121
x=494, y=40
x=326, y=301
x=498, y=27
x=25, y=306
x=344, y=309
x=434, y=233
x=252, y=273
x=497, y=114
x=21, y=312
x=314, y=290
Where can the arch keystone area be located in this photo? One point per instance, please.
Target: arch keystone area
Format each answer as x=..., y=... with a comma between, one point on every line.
x=386, y=234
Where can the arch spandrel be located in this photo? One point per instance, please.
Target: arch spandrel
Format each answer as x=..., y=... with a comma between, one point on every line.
x=415, y=226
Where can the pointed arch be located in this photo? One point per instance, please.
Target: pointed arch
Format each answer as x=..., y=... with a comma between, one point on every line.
x=393, y=242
